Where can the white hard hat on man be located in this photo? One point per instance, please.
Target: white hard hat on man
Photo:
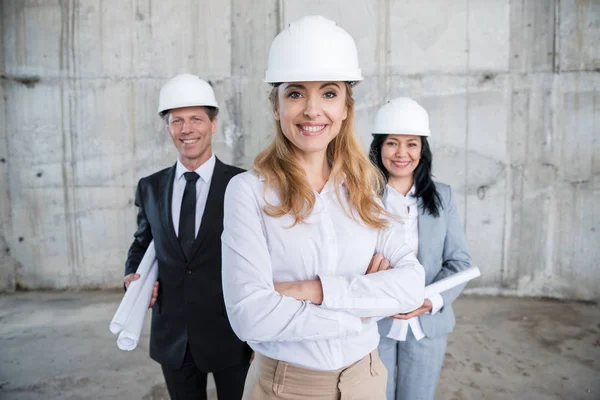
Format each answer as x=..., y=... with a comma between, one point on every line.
x=186, y=90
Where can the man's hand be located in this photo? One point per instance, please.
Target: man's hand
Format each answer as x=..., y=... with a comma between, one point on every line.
x=130, y=278
x=378, y=263
x=154, y=295
x=134, y=277
x=427, y=306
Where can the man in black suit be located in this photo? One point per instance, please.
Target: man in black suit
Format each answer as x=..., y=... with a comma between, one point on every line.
x=181, y=208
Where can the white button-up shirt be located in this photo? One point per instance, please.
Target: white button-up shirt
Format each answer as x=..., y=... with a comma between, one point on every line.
x=259, y=250
x=202, y=188
x=406, y=209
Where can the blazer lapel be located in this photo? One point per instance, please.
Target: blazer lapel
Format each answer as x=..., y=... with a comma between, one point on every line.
x=166, y=200
x=426, y=226
x=214, y=203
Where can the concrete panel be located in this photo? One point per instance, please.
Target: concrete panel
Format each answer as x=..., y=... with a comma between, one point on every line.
x=578, y=35
x=85, y=38
x=489, y=35
x=7, y=261
x=533, y=176
x=532, y=35
x=554, y=149
x=576, y=249
x=362, y=24
x=30, y=50
x=42, y=242
x=486, y=170
x=183, y=36
x=254, y=24
x=36, y=121
x=97, y=39
x=428, y=37
x=577, y=235
x=102, y=139
x=577, y=109
x=105, y=225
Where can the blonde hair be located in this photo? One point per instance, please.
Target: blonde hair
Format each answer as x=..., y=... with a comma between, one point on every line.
x=278, y=165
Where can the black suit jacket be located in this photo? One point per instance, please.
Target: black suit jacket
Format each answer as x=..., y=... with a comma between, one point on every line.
x=190, y=307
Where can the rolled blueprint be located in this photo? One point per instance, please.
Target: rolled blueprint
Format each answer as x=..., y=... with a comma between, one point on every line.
x=133, y=291
x=130, y=335
x=452, y=281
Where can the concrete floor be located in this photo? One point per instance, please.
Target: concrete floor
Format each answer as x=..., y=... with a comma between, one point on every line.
x=58, y=346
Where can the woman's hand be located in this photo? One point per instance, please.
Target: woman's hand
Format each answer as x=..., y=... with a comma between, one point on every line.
x=378, y=263
x=427, y=306
x=302, y=290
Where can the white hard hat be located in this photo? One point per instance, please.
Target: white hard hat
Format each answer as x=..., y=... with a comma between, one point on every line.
x=402, y=116
x=186, y=90
x=313, y=48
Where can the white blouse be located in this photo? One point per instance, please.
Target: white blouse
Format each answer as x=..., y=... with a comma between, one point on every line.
x=406, y=208
x=259, y=250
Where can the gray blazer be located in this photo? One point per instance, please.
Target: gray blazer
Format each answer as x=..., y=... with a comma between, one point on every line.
x=442, y=252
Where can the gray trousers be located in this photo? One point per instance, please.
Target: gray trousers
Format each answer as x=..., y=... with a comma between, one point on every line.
x=413, y=366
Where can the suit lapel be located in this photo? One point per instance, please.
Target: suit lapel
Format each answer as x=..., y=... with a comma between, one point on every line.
x=426, y=226
x=166, y=200
x=214, y=203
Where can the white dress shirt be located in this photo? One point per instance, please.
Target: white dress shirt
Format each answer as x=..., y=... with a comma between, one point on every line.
x=406, y=209
x=259, y=250
x=202, y=188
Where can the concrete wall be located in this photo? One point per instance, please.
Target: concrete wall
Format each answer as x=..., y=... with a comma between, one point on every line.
x=513, y=89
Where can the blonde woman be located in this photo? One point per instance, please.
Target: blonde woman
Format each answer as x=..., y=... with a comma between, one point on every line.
x=301, y=228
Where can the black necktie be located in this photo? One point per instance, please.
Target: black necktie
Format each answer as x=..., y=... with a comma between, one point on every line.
x=187, y=214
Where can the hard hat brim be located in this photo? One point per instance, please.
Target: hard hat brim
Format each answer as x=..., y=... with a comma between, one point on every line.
x=186, y=104
x=353, y=76
x=415, y=133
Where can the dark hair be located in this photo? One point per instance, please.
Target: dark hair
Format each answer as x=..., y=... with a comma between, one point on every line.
x=424, y=186
x=211, y=111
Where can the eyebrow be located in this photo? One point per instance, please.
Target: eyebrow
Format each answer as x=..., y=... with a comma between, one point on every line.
x=329, y=84
x=299, y=86
x=397, y=139
x=191, y=116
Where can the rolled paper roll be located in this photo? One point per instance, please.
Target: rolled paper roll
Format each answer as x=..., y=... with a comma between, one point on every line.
x=133, y=291
x=130, y=335
x=452, y=281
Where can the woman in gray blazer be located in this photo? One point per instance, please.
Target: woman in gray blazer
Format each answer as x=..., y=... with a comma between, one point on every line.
x=413, y=345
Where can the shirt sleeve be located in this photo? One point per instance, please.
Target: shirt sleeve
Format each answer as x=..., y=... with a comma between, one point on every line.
x=400, y=289
x=437, y=303
x=258, y=313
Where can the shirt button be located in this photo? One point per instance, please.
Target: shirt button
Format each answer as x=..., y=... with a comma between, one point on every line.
x=188, y=271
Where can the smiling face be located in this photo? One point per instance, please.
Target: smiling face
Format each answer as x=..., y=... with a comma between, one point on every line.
x=400, y=155
x=311, y=113
x=191, y=130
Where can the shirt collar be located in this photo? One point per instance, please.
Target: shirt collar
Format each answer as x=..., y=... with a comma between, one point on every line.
x=329, y=185
x=409, y=198
x=205, y=170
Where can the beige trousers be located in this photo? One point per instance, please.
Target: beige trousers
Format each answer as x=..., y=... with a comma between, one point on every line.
x=270, y=379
